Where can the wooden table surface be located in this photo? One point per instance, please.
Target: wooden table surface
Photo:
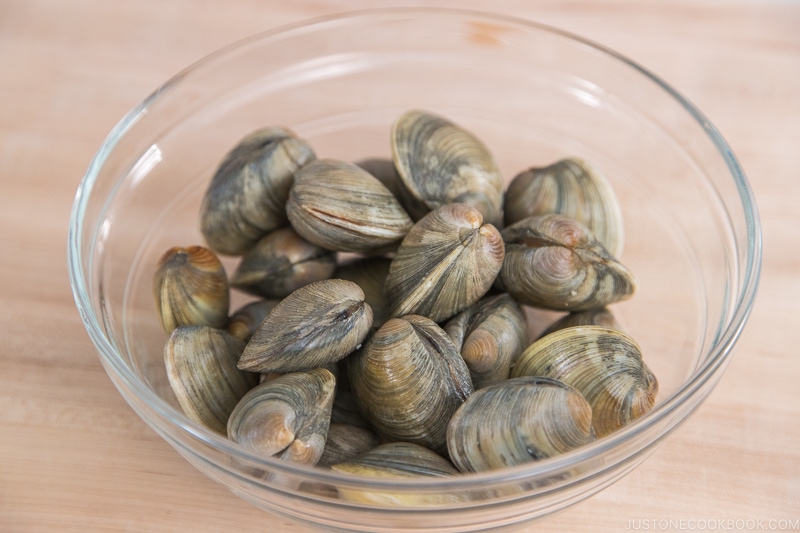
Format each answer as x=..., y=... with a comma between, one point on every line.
x=75, y=457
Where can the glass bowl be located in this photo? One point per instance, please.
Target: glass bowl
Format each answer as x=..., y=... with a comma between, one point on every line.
x=533, y=94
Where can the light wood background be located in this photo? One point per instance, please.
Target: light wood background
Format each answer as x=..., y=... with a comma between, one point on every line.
x=75, y=457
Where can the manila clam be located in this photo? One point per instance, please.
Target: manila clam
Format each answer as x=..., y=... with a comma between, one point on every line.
x=287, y=417
x=397, y=460
x=441, y=163
x=190, y=288
x=317, y=324
x=517, y=421
x=342, y=207
x=247, y=195
x=201, y=367
x=280, y=263
x=490, y=334
x=408, y=380
x=570, y=187
x=393, y=322
x=555, y=262
x=605, y=365
x=448, y=260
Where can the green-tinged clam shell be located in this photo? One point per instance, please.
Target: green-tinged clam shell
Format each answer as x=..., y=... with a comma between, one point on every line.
x=570, y=187
x=441, y=163
x=517, y=421
x=342, y=207
x=447, y=262
x=605, y=365
x=317, y=324
x=408, y=380
x=247, y=195
x=555, y=262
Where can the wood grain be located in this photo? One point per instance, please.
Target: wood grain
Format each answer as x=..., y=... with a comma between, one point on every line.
x=75, y=457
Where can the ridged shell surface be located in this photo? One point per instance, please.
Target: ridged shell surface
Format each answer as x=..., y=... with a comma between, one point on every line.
x=317, y=324
x=605, y=365
x=201, y=368
x=490, y=334
x=555, y=262
x=517, y=421
x=408, y=380
x=571, y=187
x=447, y=262
x=190, y=288
x=287, y=417
x=342, y=207
x=247, y=195
x=440, y=163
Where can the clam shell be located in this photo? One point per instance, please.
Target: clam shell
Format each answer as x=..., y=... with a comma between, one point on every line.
x=340, y=206
x=345, y=442
x=605, y=365
x=517, y=421
x=317, y=324
x=490, y=334
x=280, y=263
x=245, y=320
x=397, y=460
x=247, y=195
x=287, y=417
x=408, y=380
x=447, y=262
x=555, y=262
x=201, y=368
x=190, y=288
x=441, y=163
x=571, y=187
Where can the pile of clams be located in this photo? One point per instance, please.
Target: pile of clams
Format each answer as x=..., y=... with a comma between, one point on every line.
x=387, y=333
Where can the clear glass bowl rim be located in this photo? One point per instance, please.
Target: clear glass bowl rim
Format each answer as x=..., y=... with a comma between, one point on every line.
x=715, y=361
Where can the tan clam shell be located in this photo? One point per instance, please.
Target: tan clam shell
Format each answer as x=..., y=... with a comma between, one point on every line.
x=490, y=334
x=604, y=364
x=247, y=195
x=345, y=442
x=555, y=262
x=517, y=421
x=441, y=163
x=447, y=262
x=342, y=207
x=571, y=187
x=280, y=263
x=317, y=324
x=201, y=368
x=397, y=460
x=190, y=288
x=408, y=380
x=287, y=417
